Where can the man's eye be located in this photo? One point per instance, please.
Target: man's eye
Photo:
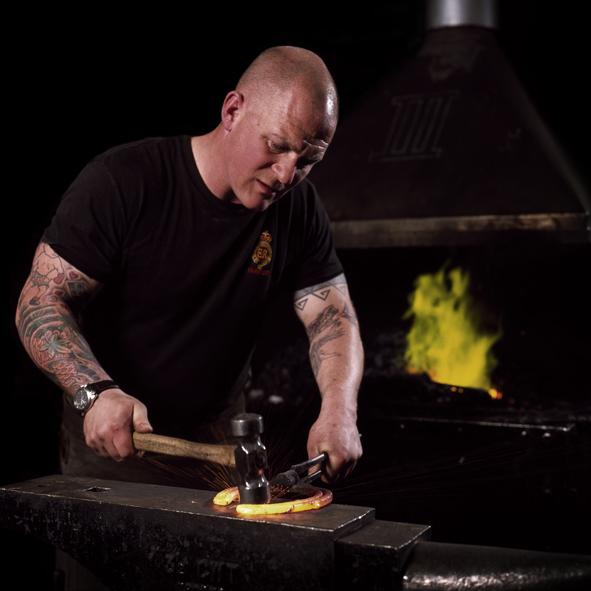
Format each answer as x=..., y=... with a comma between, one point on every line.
x=274, y=147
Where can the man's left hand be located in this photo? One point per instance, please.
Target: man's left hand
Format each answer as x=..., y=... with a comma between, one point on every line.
x=335, y=432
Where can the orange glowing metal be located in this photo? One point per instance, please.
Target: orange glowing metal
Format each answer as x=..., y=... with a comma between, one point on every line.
x=320, y=498
x=496, y=394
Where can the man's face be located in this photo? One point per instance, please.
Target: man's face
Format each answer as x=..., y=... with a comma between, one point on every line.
x=273, y=147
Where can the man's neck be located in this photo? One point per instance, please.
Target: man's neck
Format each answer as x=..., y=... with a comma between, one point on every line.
x=207, y=155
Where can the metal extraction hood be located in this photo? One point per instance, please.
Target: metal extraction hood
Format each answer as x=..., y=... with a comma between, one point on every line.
x=448, y=149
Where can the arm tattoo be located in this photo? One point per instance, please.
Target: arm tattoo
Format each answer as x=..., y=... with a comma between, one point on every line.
x=53, y=279
x=328, y=325
x=327, y=320
x=46, y=322
x=320, y=291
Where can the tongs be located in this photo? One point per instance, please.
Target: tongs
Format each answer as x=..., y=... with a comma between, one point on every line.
x=297, y=473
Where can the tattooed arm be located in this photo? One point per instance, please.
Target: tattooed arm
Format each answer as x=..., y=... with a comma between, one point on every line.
x=53, y=294
x=46, y=324
x=336, y=357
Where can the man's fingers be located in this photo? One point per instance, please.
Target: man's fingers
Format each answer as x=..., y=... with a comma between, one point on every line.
x=111, y=450
x=141, y=424
x=116, y=446
x=338, y=471
x=123, y=444
x=99, y=450
x=109, y=424
x=95, y=445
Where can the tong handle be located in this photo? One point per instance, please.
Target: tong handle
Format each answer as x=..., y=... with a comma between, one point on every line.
x=301, y=468
x=311, y=477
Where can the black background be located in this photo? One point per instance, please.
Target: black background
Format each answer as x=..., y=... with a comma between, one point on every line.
x=106, y=79
x=82, y=83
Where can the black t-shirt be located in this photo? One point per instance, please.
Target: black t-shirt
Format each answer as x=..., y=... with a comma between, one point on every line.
x=187, y=277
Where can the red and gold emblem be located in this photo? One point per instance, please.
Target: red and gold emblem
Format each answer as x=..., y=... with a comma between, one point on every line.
x=263, y=252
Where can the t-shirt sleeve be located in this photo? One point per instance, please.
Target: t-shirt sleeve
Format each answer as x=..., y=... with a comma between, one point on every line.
x=88, y=226
x=318, y=260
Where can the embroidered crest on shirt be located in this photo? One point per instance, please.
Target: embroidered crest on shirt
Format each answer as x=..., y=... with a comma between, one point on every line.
x=262, y=255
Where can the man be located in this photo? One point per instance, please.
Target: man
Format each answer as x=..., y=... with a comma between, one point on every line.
x=154, y=274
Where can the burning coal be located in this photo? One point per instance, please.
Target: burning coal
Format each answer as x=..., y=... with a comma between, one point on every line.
x=447, y=339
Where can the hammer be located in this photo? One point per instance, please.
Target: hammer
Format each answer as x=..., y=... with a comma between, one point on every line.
x=249, y=456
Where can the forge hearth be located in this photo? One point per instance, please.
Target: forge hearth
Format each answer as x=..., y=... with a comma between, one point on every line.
x=511, y=471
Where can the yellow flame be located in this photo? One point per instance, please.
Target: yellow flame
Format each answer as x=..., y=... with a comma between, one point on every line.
x=446, y=339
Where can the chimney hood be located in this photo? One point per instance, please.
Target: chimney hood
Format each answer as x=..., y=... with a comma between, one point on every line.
x=448, y=149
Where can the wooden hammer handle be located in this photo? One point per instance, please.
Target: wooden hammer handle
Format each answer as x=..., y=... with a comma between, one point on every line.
x=172, y=446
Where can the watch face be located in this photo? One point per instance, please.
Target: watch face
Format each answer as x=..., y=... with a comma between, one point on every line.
x=82, y=398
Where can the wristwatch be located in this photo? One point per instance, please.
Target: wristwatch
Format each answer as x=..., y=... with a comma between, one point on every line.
x=85, y=396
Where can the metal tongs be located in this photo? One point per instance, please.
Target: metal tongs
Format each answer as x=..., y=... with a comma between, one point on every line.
x=297, y=473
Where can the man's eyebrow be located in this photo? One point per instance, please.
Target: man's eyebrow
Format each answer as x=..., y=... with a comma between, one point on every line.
x=286, y=142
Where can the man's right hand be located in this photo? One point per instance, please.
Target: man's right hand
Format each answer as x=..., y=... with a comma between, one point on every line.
x=109, y=424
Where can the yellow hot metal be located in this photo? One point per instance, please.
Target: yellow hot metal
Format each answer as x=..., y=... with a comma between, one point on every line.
x=320, y=498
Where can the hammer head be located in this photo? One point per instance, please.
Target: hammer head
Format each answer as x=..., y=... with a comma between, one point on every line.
x=251, y=458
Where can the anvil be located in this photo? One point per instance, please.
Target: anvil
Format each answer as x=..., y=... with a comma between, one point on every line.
x=142, y=536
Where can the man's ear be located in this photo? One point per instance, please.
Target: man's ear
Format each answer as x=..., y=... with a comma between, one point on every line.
x=231, y=108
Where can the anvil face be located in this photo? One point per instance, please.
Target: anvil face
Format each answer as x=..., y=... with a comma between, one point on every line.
x=144, y=536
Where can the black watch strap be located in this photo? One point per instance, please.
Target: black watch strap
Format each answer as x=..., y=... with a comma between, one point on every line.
x=85, y=395
x=102, y=385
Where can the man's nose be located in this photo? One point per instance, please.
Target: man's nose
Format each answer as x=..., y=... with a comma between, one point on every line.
x=284, y=170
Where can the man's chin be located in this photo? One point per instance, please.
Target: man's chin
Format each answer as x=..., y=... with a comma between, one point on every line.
x=256, y=203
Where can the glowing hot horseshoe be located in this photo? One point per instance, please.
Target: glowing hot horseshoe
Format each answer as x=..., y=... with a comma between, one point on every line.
x=320, y=498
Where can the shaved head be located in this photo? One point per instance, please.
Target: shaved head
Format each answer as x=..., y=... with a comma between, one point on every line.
x=275, y=126
x=281, y=70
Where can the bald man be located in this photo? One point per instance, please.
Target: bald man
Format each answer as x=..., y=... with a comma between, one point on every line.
x=148, y=287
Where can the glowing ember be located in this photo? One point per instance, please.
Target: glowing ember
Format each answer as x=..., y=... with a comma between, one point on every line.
x=447, y=340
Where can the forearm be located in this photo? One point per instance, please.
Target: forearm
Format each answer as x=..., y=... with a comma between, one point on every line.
x=53, y=340
x=337, y=358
